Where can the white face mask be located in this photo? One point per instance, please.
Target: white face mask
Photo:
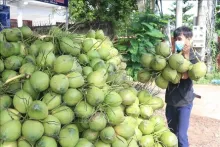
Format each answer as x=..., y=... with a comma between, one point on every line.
x=179, y=45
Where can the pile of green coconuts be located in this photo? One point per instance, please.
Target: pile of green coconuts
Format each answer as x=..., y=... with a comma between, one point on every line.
x=70, y=90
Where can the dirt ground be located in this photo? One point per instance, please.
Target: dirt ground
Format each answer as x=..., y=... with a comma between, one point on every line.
x=204, y=128
x=204, y=132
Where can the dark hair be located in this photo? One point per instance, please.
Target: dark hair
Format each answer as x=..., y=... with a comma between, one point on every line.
x=187, y=32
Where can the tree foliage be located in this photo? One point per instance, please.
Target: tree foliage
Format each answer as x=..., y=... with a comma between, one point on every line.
x=217, y=20
x=101, y=10
x=143, y=33
x=187, y=18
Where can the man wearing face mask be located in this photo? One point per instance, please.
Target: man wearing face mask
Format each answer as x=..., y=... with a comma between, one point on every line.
x=179, y=97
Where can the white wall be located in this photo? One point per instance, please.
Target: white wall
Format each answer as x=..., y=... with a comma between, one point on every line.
x=39, y=13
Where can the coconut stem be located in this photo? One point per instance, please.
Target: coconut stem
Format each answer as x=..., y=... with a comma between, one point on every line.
x=14, y=78
x=196, y=55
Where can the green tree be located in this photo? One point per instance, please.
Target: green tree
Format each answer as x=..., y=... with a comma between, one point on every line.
x=187, y=18
x=217, y=20
x=144, y=32
x=101, y=10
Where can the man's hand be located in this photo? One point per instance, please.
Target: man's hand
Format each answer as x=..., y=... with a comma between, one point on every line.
x=186, y=52
x=185, y=75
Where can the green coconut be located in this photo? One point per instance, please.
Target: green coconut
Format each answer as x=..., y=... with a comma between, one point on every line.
x=120, y=142
x=46, y=47
x=99, y=34
x=168, y=139
x=161, y=82
x=90, y=135
x=69, y=136
x=38, y=110
x=144, y=96
x=158, y=122
x=26, y=32
x=39, y=81
x=27, y=68
x=98, y=121
x=13, y=62
x=108, y=135
x=146, y=59
x=146, y=111
x=197, y=71
x=169, y=74
x=5, y=101
x=144, y=76
x=7, y=129
x=163, y=49
x=64, y=114
x=175, y=61
x=29, y=59
x=146, y=127
x=72, y=97
x=10, y=48
x=59, y=83
x=63, y=64
x=177, y=79
x=115, y=115
x=13, y=35
x=104, y=51
x=34, y=49
x=83, y=59
x=133, y=110
x=156, y=103
x=125, y=130
x=68, y=46
x=158, y=63
x=84, y=143
x=93, y=53
x=45, y=60
x=147, y=141
x=88, y=44
x=184, y=67
x=90, y=34
x=2, y=66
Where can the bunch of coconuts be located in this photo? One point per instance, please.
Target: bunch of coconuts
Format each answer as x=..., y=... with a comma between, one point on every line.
x=163, y=66
x=69, y=91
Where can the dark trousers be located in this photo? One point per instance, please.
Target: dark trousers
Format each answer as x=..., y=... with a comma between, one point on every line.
x=178, y=122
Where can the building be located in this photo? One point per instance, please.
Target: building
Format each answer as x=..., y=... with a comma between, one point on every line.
x=34, y=13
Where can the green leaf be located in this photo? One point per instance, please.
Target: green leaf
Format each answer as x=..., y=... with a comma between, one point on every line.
x=134, y=43
x=130, y=71
x=142, y=50
x=127, y=57
x=134, y=58
x=149, y=44
x=136, y=66
x=147, y=25
x=133, y=50
x=140, y=35
x=121, y=47
x=155, y=33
